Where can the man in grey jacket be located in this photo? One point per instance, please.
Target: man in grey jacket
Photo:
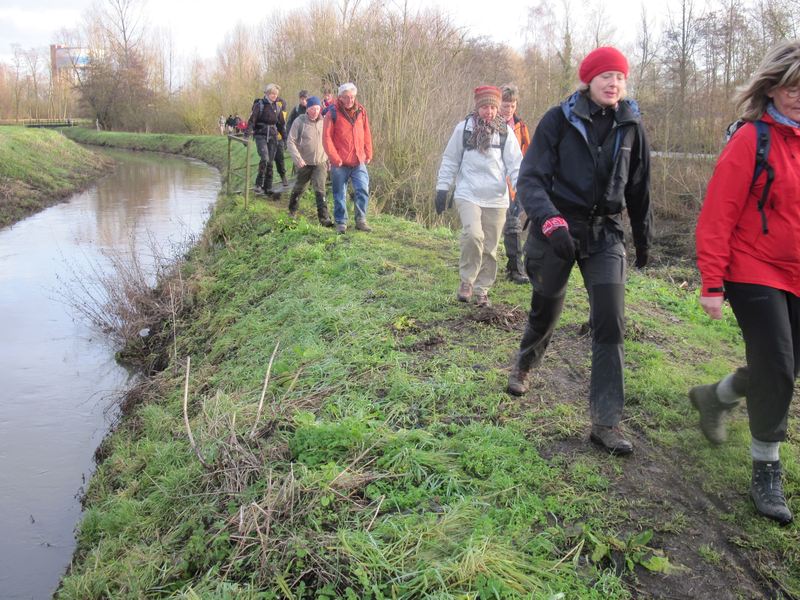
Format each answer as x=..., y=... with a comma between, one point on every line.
x=305, y=147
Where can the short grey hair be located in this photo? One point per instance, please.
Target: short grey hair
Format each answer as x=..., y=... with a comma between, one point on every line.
x=272, y=87
x=347, y=87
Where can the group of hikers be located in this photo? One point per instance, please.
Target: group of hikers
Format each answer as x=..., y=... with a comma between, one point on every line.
x=321, y=135
x=568, y=185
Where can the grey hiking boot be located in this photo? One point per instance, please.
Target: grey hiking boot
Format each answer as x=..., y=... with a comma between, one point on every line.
x=766, y=490
x=361, y=225
x=712, y=412
x=517, y=385
x=611, y=439
x=341, y=228
x=464, y=292
x=284, y=181
x=482, y=299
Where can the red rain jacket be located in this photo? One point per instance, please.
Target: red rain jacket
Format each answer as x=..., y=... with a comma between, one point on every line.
x=731, y=244
x=345, y=141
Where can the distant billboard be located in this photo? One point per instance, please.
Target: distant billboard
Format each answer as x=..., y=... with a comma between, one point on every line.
x=63, y=57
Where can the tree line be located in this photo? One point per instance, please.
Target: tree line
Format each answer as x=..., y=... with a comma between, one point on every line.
x=415, y=71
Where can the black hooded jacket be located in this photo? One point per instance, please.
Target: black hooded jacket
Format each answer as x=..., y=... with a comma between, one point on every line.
x=567, y=172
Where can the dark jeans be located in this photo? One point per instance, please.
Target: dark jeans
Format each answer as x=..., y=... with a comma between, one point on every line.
x=604, y=278
x=266, y=145
x=770, y=322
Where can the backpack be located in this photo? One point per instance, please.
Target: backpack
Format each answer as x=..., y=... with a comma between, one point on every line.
x=465, y=135
x=762, y=154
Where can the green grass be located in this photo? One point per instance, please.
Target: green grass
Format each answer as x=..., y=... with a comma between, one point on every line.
x=388, y=461
x=39, y=167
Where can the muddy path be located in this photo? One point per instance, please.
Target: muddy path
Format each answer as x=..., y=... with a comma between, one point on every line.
x=654, y=485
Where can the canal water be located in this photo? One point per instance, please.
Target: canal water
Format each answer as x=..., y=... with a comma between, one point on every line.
x=59, y=383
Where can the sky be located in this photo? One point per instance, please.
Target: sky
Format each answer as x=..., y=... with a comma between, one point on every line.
x=199, y=26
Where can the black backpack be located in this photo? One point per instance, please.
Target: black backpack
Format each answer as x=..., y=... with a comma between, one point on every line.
x=762, y=154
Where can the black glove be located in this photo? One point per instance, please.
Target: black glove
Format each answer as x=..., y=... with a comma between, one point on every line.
x=563, y=244
x=641, y=258
x=441, y=201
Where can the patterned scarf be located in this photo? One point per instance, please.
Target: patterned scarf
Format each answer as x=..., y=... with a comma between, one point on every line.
x=483, y=131
x=779, y=117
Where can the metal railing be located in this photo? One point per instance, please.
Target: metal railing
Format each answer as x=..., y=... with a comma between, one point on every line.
x=247, y=141
x=54, y=123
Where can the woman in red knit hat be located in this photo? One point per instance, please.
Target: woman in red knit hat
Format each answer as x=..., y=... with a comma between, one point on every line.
x=480, y=155
x=587, y=163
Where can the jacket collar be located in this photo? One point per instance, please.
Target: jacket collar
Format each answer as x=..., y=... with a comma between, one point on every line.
x=786, y=130
x=577, y=104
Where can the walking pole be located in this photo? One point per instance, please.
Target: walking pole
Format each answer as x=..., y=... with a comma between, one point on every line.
x=247, y=175
x=229, y=166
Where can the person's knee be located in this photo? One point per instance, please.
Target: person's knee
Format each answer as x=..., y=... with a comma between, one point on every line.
x=608, y=307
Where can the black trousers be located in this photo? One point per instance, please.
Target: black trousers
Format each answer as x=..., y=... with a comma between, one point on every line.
x=604, y=278
x=280, y=159
x=512, y=233
x=770, y=322
x=266, y=145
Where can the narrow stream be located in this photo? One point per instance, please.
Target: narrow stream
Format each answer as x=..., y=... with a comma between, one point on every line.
x=58, y=379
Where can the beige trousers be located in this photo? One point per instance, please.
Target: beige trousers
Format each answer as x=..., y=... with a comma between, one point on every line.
x=480, y=233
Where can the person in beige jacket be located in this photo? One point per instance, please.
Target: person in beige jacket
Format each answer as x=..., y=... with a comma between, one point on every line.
x=305, y=148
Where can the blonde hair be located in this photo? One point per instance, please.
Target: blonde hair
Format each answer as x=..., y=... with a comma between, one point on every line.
x=780, y=68
x=510, y=92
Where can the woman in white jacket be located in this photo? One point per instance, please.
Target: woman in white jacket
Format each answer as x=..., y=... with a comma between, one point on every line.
x=480, y=157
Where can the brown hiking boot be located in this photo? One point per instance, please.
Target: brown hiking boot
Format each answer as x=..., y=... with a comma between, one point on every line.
x=464, y=292
x=284, y=181
x=361, y=225
x=712, y=412
x=482, y=299
x=517, y=385
x=611, y=439
x=766, y=490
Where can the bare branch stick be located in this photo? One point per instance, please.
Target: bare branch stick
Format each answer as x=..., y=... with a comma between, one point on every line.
x=186, y=414
x=264, y=390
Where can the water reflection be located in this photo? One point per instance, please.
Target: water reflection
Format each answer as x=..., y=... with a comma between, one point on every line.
x=57, y=376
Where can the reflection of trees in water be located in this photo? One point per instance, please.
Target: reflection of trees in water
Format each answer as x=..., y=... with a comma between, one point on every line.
x=143, y=191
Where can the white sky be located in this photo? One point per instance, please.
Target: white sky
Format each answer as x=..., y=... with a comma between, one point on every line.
x=198, y=26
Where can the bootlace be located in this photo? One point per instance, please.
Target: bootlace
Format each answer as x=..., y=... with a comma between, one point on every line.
x=770, y=484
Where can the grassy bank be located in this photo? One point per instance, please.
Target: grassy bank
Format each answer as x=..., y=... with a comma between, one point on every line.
x=39, y=167
x=387, y=461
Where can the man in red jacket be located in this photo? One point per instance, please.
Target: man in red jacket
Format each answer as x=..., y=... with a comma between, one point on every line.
x=348, y=143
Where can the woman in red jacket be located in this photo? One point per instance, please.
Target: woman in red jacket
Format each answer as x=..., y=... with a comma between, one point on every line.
x=752, y=257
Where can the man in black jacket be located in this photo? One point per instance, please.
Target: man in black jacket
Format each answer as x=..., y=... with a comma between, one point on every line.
x=265, y=123
x=588, y=162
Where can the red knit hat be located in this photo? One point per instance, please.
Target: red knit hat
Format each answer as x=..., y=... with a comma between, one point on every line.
x=488, y=94
x=601, y=60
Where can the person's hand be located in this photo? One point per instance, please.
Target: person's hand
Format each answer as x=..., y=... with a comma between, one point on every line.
x=301, y=163
x=712, y=305
x=641, y=258
x=441, y=201
x=563, y=244
x=556, y=230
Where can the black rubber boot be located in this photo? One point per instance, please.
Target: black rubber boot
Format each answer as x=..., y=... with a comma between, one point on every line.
x=766, y=490
x=514, y=271
x=293, y=202
x=322, y=210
